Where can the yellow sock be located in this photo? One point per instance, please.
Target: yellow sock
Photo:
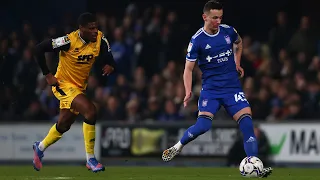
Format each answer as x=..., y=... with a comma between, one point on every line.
x=52, y=137
x=89, y=134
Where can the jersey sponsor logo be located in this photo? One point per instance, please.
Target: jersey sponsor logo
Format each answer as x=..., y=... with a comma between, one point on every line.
x=227, y=53
x=189, y=47
x=84, y=59
x=60, y=41
x=220, y=60
x=208, y=58
x=224, y=56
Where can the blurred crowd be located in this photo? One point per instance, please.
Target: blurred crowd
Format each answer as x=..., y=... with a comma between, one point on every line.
x=281, y=76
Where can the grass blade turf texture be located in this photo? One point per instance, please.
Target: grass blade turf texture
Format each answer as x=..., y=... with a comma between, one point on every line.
x=146, y=173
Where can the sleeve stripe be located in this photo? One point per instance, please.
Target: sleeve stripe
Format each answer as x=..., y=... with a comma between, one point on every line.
x=197, y=33
x=191, y=59
x=107, y=42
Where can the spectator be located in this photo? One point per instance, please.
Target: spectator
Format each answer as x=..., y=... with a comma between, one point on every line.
x=280, y=35
x=304, y=39
x=35, y=112
x=132, y=108
x=120, y=52
x=152, y=111
x=281, y=78
x=261, y=105
x=112, y=110
x=170, y=112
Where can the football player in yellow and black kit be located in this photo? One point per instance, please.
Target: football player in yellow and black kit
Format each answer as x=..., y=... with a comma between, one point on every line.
x=77, y=53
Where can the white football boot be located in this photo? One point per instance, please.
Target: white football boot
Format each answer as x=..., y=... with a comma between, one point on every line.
x=170, y=153
x=266, y=172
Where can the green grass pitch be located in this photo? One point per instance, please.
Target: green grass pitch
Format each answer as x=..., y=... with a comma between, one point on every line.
x=146, y=173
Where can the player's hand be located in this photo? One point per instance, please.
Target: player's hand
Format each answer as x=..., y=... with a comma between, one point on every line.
x=107, y=69
x=240, y=70
x=186, y=99
x=51, y=80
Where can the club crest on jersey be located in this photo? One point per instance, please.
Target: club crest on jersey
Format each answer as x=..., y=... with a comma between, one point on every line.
x=189, y=47
x=204, y=102
x=227, y=38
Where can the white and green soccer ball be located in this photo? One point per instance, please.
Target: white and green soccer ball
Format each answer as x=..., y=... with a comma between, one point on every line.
x=251, y=167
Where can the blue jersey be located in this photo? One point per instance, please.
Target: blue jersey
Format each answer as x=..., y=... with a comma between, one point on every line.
x=216, y=59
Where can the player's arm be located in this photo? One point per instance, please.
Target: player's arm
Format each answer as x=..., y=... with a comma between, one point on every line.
x=187, y=75
x=49, y=45
x=106, y=57
x=192, y=56
x=237, y=48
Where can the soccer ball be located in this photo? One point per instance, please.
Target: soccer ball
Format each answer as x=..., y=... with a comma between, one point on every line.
x=251, y=167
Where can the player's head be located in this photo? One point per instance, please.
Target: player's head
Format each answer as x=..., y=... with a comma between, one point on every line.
x=212, y=14
x=88, y=26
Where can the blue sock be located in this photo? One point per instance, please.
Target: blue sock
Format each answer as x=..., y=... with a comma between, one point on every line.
x=202, y=125
x=250, y=143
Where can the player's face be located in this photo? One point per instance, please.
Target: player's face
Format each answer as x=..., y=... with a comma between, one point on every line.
x=213, y=18
x=90, y=31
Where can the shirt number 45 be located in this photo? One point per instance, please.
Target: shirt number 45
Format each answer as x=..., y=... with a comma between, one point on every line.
x=240, y=97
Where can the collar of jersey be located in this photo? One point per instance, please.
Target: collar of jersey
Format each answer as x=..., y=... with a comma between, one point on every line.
x=211, y=35
x=82, y=40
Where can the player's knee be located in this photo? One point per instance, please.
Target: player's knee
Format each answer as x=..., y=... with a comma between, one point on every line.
x=243, y=116
x=246, y=110
x=204, y=123
x=91, y=115
x=63, y=127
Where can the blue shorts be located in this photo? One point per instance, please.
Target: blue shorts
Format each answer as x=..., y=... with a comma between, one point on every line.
x=232, y=102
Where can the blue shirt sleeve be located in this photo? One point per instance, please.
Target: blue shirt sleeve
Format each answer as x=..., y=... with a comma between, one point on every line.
x=233, y=34
x=192, y=51
x=231, y=31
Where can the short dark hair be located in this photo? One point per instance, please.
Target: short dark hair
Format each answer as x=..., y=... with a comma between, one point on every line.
x=212, y=4
x=86, y=18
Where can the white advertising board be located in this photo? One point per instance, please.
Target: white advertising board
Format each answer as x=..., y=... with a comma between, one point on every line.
x=16, y=142
x=296, y=142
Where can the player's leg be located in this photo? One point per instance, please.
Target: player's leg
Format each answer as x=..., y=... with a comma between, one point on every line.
x=203, y=124
x=85, y=107
x=207, y=108
x=66, y=119
x=244, y=120
x=238, y=107
x=250, y=144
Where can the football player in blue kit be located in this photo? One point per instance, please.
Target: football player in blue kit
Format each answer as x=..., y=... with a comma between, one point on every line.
x=217, y=48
